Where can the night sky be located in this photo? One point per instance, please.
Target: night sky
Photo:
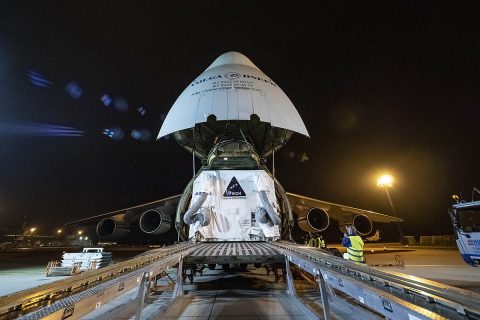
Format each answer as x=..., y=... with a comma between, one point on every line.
x=381, y=86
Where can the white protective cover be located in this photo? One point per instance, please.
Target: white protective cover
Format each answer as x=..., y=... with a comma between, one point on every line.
x=232, y=88
x=233, y=211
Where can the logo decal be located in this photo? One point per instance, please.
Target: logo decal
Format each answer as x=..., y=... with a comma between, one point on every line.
x=232, y=75
x=234, y=189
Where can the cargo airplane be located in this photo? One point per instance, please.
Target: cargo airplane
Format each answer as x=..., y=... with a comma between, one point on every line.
x=232, y=118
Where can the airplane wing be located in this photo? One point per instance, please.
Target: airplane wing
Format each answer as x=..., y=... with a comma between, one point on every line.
x=336, y=211
x=169, y=203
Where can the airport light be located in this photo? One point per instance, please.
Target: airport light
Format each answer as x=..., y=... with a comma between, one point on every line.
x=59, y=231
x=79, y=232
x=385, y=182
x=32, y=230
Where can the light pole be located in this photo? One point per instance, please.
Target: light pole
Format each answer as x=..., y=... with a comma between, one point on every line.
x=385, y=182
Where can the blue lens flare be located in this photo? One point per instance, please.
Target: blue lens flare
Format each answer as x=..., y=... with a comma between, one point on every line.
x=107, y=101
x=143, y=135
x=114, y=133
x=120, y=104
x=74, y=90
x=39, y=130
x=142, y=111
x=39, y=80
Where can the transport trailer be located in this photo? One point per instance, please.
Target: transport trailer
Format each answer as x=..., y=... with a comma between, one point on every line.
x=466, y=224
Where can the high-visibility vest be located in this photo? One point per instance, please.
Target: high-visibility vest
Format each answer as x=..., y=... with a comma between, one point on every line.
x=355, y=252
x=322, y=244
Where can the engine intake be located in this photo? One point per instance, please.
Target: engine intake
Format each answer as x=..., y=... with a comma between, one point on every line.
x=316, y=220
x=362, y=224
x=154, y=221
x=112, y=228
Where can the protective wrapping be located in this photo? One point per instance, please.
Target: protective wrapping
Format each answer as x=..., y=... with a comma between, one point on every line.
x=233, y=201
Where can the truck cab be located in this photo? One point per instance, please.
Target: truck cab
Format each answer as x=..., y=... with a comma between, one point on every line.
x=466, y=224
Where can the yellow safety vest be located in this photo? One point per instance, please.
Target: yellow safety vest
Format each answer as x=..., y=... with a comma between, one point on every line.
x=355, y=252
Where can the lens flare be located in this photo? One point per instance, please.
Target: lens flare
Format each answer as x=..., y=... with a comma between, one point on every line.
x=39, y=130
x=141, y=135
x=107, y=101
x=74, y=90
x=39, y=80
x=114, y=133
x=120, y=104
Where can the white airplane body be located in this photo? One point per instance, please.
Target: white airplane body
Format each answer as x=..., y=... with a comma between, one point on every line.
x=232, y=117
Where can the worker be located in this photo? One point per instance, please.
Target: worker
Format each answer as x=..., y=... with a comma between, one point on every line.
x=321, y=242
x=310, y=240
x=354, y=245
x=317, y=241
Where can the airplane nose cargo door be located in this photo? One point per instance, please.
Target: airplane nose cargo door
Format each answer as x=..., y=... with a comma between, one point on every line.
x=233, y=200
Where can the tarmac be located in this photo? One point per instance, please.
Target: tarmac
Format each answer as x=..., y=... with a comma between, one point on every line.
x=14, y=280
x=438, y=263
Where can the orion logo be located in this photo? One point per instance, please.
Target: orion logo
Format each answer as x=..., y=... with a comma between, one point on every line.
x=234, y=189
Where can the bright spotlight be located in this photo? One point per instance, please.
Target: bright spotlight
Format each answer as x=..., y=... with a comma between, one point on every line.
x=385, y=181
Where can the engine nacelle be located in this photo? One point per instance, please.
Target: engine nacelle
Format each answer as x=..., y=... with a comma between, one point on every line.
x=315, y=220
x=154, y=221
x=363, y=224
x=112, y=228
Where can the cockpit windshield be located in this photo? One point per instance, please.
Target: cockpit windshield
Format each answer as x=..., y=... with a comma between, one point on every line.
x=469, y=219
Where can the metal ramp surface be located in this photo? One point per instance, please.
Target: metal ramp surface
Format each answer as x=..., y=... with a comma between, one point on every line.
x=233, y=252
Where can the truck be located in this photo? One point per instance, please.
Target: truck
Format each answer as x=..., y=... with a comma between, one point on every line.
x=466, y=224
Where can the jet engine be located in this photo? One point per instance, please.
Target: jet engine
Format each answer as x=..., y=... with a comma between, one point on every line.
x=154, y=221
x=314, y=220
x=363, y=224
x=112, y=227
